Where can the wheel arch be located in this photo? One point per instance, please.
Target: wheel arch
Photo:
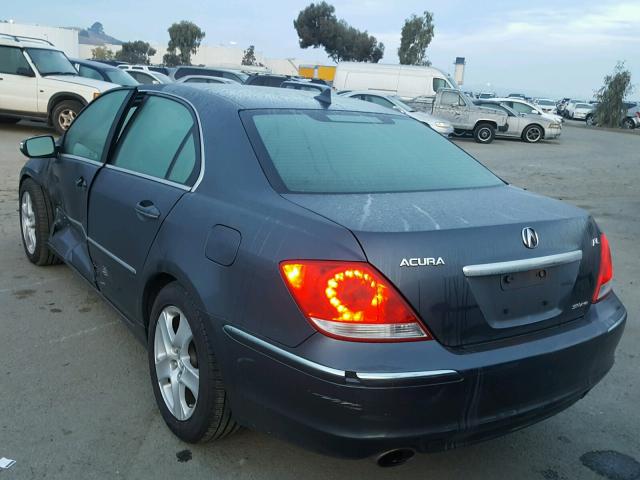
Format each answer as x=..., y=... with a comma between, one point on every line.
x=61, y=97
x=534, y=124
x=493, y=123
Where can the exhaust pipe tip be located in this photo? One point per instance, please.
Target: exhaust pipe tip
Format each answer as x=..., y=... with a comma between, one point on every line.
x=395, y=458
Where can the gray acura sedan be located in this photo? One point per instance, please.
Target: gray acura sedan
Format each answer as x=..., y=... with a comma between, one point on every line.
x=323, y=269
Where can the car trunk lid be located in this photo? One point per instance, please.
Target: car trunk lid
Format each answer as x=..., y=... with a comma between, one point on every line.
x=459, y=258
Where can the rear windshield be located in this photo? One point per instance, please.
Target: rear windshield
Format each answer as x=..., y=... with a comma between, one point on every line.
x=314, y=151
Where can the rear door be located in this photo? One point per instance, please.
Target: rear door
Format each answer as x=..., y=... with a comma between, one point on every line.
x=18, y=84
x=155, y=162
x=83, y=152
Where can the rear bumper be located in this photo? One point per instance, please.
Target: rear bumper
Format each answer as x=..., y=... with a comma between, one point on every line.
x=355, y=400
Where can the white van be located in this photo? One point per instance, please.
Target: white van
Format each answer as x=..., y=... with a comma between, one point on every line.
x=405, y=81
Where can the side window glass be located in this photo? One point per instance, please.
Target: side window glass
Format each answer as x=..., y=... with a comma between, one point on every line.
x=450, y=99
x=90, y=73
x=88, y=133
x=379, y=101
x=159, y=141
x=439, y=83
x=12, y=61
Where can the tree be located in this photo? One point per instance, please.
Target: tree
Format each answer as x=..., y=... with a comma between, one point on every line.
x=317, y=26
x=97, y=28
x=101, y=53
x=135, y=52
x=171, y=59
x=184, y=40
x=249, y=57
x=611, y=111
x=417, y=34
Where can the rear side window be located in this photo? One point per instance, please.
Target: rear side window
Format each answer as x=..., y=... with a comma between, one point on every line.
x=12, y=61
x=159, y=141
x=313, y=151
x=88, y=133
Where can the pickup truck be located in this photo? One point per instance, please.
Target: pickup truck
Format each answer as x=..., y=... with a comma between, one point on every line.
x=453, y=106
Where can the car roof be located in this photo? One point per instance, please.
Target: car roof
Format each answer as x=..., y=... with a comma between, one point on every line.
x=96, y=65
x=249, y=97
x=8, y=40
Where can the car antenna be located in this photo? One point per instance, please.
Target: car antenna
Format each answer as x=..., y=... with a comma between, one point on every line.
x=324, y=97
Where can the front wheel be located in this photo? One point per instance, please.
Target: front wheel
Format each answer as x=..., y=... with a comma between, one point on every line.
x=64, y=113
x=532, y=134
x=484, y=133
x=36, y=219
x=628, y=123
x=185, y=374
x=590, y=121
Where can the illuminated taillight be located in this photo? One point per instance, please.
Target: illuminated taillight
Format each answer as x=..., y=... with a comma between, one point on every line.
x=351, y=301
x=605, y=273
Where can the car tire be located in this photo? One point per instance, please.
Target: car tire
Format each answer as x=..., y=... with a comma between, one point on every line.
x=36, y=218
x=589, y=121
x=484, y=133
x=533, y=133
x=628, y=124
x=185, y=374
x=64, y=113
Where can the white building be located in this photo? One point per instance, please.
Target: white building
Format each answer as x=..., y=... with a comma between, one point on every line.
x=66, y=39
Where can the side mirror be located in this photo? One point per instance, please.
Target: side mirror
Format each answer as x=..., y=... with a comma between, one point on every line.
x=38, y=147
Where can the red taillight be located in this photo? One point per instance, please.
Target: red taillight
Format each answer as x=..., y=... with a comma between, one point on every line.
x=605, y=274
x=351, y=301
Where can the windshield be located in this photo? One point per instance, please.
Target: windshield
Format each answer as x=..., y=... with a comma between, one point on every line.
x=120, y=77
x=51, y=62
x=583, y=105
x=545, y=102
x=401, y=104
x=315, y=151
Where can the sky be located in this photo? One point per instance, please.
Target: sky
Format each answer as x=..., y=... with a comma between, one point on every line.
x=548, y=48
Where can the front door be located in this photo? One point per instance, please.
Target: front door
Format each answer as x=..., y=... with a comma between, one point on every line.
x=18, y=84
x=72, y=173
x=153, y=165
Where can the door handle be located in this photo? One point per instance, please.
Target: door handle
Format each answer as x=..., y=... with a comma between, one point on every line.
x=81, y=182
x=147, y=209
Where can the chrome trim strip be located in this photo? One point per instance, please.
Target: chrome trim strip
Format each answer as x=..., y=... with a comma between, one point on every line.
x=366, y=376
x=405, y=375
x=235, y=332
x=514, y=266
x=148, y=177
x=112, y=256
x=617, y=323
x=82, y=159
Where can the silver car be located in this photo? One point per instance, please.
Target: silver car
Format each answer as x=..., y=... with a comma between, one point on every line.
x=390, y=101
x=530, y=128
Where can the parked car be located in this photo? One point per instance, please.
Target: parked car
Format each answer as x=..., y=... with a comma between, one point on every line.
x=206, y=79
x=630, y=120
x=579, y=111
x=345, y=279
x=267, y=79
x=567, y=111
x=517, y=95
x=530, y=128
x=391, y=101
x=486, y=95
x=304, y=85
x=467, y=119
x=101, y=71
x=546, y=105
x=38, y=82
x=522, y=106
x=237, y=75
x=405, y=81
x=148, y=77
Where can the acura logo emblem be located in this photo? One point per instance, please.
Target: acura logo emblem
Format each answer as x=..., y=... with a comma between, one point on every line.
x=529, y=237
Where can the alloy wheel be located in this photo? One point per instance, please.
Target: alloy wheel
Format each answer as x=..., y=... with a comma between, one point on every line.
x=534, y=134
x=28, y=222
x=66, y=118
x=484, y=134
x=176, y=363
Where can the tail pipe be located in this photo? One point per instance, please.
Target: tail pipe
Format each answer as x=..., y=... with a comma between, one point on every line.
x=394, y=458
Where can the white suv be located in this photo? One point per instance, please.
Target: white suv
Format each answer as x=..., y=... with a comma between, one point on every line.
x=38, y=82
